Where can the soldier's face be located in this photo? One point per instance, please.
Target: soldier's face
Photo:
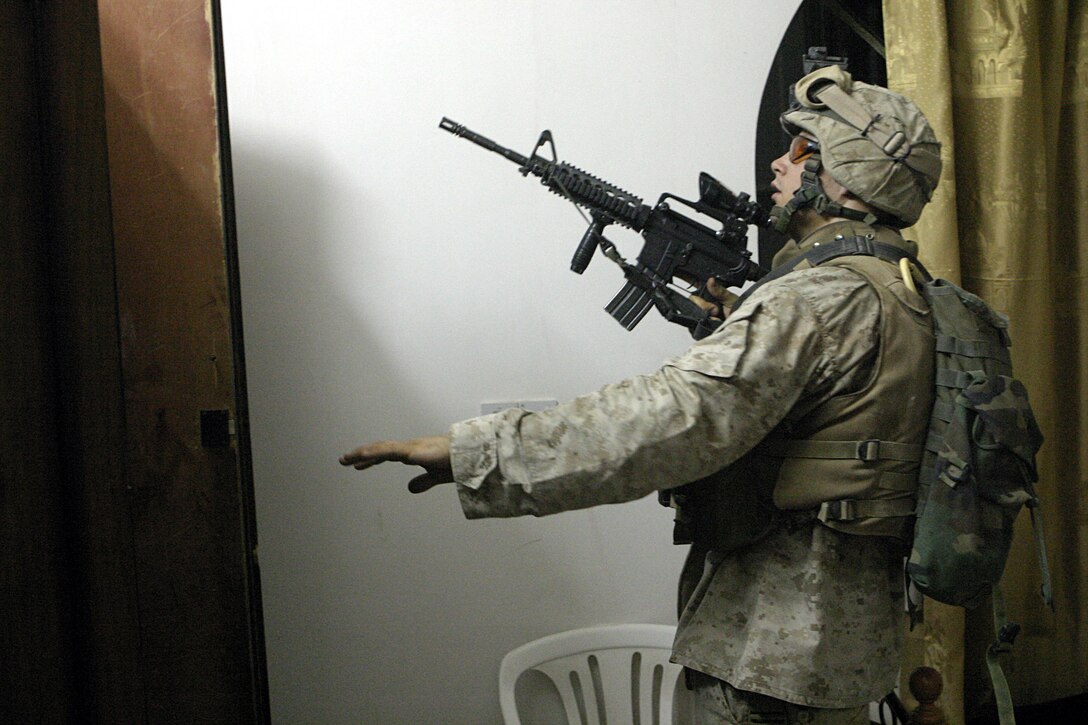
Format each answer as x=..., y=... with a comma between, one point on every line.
x=788, y=167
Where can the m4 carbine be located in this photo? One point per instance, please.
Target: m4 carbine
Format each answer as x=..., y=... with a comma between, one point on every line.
x=676, y=246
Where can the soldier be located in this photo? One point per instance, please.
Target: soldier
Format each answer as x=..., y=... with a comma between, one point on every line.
x=789, y=438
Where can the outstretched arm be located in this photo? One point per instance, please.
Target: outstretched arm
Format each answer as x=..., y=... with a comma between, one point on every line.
x=432, y=453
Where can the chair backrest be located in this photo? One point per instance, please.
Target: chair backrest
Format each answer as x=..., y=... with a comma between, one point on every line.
x=622, y=669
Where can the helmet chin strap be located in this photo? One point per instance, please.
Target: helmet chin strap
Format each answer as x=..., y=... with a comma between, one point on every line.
x=812, y=194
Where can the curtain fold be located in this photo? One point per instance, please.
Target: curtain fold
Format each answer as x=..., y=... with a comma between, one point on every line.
x=1005, y=85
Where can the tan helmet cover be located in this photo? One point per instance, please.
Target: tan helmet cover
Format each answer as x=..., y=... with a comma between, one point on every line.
x=873, y=141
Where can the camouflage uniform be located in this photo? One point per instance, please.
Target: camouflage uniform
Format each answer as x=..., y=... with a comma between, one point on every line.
x=806, y=614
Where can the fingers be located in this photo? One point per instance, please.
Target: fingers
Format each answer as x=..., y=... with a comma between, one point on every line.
x=372, y=454
x=432, y=452
x=706, y=305
x=714, y=287
x=720, y=292
x=716, y=295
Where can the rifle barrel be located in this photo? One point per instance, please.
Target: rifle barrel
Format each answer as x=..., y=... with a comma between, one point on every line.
x=458, y=130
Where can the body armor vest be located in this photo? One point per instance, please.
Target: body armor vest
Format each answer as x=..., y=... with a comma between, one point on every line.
x=855, y=457
x=851, y=460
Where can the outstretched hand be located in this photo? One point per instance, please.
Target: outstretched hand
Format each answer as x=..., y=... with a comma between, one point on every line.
x=432, y=453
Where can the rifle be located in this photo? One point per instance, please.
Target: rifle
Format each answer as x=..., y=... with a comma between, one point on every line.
x=676, y=246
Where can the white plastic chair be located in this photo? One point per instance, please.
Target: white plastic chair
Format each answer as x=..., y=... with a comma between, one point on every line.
x=623, y=669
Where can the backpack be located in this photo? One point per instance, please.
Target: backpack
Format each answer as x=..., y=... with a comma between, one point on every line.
x=978, y=468
x=977, y=471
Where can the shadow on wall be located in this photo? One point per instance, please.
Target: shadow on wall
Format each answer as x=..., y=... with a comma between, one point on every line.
x=364, y=583
x=291, y=304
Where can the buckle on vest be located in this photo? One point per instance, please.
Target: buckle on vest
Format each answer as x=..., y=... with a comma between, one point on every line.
x=843, y=510
x=868, y=451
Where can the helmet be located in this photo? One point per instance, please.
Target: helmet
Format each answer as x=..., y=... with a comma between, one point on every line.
x=873, y=141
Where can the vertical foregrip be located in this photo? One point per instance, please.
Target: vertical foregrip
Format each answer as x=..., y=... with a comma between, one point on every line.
x=584, y=252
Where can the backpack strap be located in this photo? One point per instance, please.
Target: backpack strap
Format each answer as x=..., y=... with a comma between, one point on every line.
x=1005, y=633
x=1045, y=589
x=966, y=348
x=958, y=379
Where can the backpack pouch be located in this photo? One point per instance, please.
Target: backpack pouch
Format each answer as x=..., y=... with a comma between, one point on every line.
x=984, y=473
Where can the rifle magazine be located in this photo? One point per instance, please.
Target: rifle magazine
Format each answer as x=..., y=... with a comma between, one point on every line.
x=630, y=305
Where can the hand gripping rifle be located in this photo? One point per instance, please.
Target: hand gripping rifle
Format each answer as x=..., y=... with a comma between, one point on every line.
x=676, y=246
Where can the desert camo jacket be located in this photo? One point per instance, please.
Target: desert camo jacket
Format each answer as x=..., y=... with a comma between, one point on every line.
x=806, y=614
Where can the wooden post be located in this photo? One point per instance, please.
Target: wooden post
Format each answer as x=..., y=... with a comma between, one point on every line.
x=926, y=685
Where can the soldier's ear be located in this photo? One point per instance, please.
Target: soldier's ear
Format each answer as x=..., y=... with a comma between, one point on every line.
x=834, y=190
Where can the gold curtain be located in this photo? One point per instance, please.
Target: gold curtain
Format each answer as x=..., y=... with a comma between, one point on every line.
x=1005, y=85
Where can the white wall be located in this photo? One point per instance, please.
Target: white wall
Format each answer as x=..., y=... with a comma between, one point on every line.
x=394, y=277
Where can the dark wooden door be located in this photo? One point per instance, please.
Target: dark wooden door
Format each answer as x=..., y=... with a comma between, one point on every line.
x=127, y=457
